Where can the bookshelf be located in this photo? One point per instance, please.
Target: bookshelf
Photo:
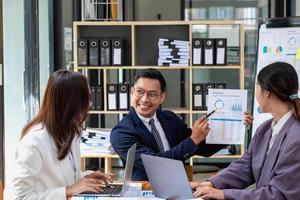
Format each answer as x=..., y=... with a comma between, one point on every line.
x=141, y=51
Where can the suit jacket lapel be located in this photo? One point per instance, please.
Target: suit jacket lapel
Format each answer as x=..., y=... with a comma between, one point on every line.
x=260, y=157
x=142, y=129
x=67, y=170
x=274, y=152
x=65, y=166
x=76, y=155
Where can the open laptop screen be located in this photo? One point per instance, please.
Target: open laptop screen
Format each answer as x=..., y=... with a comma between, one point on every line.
x=167, y=177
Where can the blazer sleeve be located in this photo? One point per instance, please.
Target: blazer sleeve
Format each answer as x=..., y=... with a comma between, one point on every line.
x=28, y=166
x=238, y=174
x=283, y=186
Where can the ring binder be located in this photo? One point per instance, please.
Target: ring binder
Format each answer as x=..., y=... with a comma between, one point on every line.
x=93, y=52
x=197, y=96
x=82, y=52
x=123, y=96
x=117, y=52
x=105, y=46
x=112, y=97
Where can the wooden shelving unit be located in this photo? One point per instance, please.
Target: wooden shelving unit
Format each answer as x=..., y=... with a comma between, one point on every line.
x=141, y=52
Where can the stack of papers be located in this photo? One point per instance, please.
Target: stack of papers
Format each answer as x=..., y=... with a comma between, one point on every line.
x=173, y=52
x=95, y=141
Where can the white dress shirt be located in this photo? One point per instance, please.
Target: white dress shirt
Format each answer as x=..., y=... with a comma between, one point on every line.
x=276, y=127
x=159, y=128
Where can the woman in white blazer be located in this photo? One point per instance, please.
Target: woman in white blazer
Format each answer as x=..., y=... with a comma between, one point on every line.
x=47, y=156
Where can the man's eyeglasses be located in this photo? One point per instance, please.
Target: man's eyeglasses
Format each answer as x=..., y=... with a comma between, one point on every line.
x=139, y=93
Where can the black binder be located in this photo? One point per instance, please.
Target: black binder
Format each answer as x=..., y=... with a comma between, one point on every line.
x=220, y=85
x=105, y=52
x=197, y=46
x=82, y=57
x=101, y=9
x=112, y=96
x=206, y=86
x=209, y=51
x=197, y=96
x=93, y=52
x=117, y=52
x=99, y=98
x=220, y=49
x=93, y=95
x=123, y=96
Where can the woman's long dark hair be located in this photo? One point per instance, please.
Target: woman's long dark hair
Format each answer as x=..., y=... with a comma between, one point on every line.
x=64, y=109
x=281, y=79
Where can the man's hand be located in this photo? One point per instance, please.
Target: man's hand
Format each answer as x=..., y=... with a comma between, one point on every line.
x=200, y=130
x=248, y=118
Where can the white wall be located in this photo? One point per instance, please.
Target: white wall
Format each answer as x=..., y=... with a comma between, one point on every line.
x=44, y=44
x=14, y=111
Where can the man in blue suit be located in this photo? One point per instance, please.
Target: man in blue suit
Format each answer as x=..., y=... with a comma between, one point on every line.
x=156, y=132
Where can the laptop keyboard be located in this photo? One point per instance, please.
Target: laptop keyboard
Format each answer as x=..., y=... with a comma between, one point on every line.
x=112, y=189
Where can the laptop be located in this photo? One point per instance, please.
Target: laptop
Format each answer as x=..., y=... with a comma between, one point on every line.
x=117, y=189
x=167, y=177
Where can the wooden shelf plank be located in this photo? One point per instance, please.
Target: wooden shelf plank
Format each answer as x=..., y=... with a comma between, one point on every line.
x=218, y=67
x=100, y=156
x=158, y=67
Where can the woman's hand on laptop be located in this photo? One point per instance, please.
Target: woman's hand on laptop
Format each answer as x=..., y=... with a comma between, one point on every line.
x=85, y=185
x=207, y=192
x=105, y=177
x=195, y=185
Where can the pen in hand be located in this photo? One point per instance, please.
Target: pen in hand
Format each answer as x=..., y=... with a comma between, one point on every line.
x=209, y=114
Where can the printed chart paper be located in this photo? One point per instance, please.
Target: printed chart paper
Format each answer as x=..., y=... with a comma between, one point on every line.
x=226, y=124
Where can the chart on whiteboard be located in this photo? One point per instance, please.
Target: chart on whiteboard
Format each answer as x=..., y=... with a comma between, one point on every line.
x=226, y=124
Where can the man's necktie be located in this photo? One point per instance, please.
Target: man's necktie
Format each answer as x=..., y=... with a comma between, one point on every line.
x=156, y=135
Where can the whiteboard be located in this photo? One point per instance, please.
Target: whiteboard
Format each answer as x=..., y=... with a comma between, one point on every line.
x=275, y=44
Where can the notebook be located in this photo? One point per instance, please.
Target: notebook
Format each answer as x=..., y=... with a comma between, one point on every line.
x=117, y=189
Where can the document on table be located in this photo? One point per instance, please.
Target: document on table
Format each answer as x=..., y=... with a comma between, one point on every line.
x=226, y=124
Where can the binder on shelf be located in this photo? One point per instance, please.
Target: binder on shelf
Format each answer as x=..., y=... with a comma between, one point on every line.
x=220, y=85
x=197, y=51
x=105, y=52
x=112, y=96
x=82, y=58
x=221, y=46
x=101, y=9
x=99, y=98
x=93, y=52
x=208, y=45
x=93, y=95
x=123, y=96
x=197, y=96
x=117, y=51
x=206, y=87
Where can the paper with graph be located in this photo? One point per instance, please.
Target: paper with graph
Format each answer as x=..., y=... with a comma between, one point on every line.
x=226, y=124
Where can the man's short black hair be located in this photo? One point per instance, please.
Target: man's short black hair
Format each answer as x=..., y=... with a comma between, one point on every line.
x=152, y=74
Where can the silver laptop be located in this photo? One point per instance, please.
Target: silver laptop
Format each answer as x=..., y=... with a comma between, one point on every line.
x=119, y=190
x=167, y=177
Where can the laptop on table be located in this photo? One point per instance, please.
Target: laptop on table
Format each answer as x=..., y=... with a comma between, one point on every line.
x=167, y=177
x=116, y=189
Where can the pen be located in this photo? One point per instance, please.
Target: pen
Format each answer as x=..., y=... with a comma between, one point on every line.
x=209, y=114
